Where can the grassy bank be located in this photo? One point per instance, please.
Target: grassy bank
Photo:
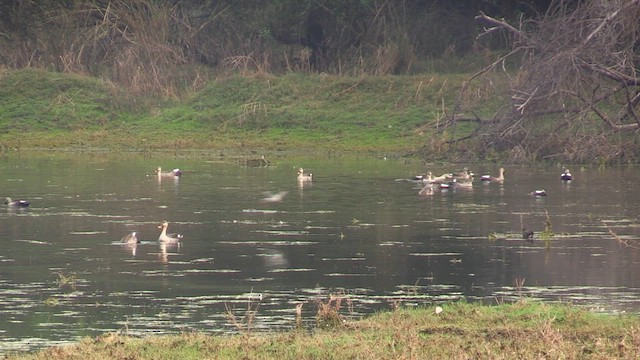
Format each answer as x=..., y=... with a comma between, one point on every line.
x=523, y=330
x=41, y=109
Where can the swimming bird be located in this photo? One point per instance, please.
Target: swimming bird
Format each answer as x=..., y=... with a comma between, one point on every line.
x=444, y=185
x=440, y=179
x=489, y=178
x=302, y=176
x=527, y=234
x=422, y=177
x=168, y=238
x=174, y=172
x=261, y=162
x=427, y=189
x=566, y=175
x=16, y=203
x=465, y=175
x=462, y=183
x=538, y=193
x=130, y=238
x=271, y=197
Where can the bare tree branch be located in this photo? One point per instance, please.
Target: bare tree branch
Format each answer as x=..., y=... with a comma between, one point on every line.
x=578, y=65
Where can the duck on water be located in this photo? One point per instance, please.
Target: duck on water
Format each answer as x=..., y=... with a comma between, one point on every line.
x=16, y=203
x=171, y=238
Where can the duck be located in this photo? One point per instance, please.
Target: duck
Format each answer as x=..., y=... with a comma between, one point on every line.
x=427, y=189
x=174, y=172
x=489, y=178
x=441, y=179
x=462, y=183
x=527, y=234
x=168, y=238
x=465, y=175
x=444, y=185
x=538, y=193
x=130, y=238
x=423, y=177
x=566, y=175
x=261, y=162
x=302, y=176
x=16, y=203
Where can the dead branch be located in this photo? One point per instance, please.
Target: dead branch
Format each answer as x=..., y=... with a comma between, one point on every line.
x=501, y=24
x=579, y=61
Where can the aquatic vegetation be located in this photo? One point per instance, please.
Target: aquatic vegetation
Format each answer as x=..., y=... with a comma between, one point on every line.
x=547, y=234
x=50, y=301
x=328, y=315
x=66, y=280
x=245, y=323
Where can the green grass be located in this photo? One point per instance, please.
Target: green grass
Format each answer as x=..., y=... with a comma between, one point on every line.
x=522, y=330
x=387, y=113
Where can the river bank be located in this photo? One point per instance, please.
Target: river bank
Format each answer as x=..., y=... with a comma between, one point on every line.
x=399, y=114
x=523, y=330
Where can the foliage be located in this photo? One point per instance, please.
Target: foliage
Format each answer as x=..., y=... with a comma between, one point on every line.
x=164, y=47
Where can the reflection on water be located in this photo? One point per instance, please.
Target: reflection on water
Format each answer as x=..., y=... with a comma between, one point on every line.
x=358, y=230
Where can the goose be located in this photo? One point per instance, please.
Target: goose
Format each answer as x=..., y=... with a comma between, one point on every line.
x=427, y=189
x=174, y=172
x=566, y=175
x=539, y=193
x=462, y=183
x=16, y=203
x=465, y=175
x=527, y=234
x=302, y=176
x=130, y=238
x=168, y=238
x=489, y=178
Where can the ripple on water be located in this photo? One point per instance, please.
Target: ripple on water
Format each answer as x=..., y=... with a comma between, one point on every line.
x=34, y=242
x=436, y=254
x=268, y=242
x=290, y=270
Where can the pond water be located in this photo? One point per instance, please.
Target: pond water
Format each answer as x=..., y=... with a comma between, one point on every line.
x=359, y=231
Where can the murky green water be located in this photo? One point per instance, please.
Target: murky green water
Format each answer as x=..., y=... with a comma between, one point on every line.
x=358, y=230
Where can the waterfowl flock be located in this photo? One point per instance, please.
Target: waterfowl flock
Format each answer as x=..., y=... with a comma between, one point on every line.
x=465, y=179
x=430, y=185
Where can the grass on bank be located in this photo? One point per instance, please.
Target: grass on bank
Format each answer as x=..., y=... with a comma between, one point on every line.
x=522, y=330
x=383, y=113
